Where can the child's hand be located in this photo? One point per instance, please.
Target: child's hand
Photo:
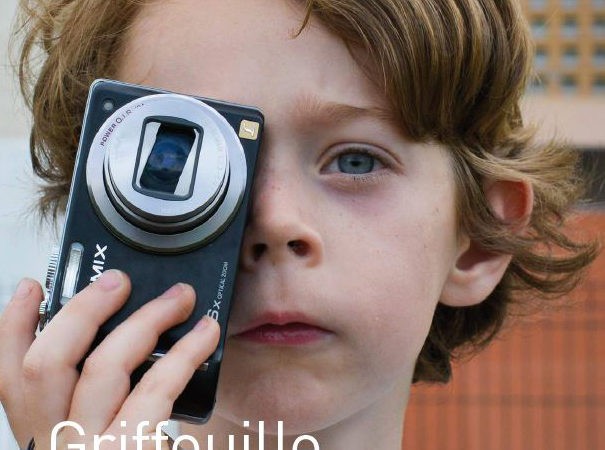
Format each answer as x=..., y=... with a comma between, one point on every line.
x=40, y=385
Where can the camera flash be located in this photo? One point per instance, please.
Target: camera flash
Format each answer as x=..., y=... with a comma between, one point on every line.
x=72, y=270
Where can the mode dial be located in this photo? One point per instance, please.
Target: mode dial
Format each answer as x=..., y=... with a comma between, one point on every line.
x=53, y=264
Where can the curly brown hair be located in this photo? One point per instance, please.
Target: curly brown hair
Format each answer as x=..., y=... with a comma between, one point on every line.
x=454, y=72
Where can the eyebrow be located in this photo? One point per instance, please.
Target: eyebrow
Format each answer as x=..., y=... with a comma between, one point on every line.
x=312, y=108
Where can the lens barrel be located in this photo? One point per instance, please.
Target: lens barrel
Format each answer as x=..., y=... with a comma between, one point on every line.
x=166, y=172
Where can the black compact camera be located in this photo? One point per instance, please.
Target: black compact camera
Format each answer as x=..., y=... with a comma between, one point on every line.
x=160, y=190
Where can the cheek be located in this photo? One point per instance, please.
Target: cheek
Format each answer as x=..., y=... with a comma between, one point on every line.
x=393, y=258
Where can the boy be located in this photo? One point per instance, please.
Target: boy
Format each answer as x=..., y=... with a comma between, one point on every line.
x=398, y=203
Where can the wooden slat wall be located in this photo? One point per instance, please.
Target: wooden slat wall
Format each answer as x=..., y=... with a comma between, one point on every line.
x=541, y=386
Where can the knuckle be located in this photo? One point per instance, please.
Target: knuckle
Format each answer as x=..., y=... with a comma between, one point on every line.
x=94, y=365
x=156, y=383
x=192, y=353
x=34, y=367
x=149, y=384
x=183, y=357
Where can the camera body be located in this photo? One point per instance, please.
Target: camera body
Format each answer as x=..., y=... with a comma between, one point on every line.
x=160, y=190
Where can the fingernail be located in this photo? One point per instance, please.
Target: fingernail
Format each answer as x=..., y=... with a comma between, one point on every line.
x=24, y=287
x=202, y=324
x=174, y=291
x=111, y=279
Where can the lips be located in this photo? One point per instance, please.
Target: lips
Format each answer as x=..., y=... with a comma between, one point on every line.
x=284, y=329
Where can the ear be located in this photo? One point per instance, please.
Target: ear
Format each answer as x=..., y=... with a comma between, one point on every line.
x=476, y=271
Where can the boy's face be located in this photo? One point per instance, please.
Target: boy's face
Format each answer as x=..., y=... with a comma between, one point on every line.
x=352, y=233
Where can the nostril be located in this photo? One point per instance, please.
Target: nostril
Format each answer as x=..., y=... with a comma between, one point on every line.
x=300, y=248
x=258, y=250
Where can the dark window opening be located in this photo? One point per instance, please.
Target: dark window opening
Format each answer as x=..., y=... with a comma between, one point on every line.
x=593, y=164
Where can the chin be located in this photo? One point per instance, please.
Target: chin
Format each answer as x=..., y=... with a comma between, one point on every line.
x=302, y=404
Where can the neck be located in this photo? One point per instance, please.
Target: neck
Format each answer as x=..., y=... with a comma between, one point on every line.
x=378, y=426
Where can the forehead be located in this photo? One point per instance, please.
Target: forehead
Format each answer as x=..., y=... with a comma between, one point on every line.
x=245, y=51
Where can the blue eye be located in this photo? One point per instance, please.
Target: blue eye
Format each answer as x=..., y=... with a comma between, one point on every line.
x=356, y=163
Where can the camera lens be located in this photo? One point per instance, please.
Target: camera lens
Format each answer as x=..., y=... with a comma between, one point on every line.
x=166, y=172
x=167, y=159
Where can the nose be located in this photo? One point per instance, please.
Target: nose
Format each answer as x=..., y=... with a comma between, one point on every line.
x=280, y=228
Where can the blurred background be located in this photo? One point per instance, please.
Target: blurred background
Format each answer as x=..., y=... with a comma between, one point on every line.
x=23, y=243
x=542, y=384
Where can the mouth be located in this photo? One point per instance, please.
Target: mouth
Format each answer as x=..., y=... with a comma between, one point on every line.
x=283, y=330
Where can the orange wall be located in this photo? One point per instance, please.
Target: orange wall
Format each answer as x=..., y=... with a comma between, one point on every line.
x=541, y=386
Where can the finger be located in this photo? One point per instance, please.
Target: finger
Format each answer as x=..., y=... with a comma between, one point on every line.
x=18, y=325
x=153, y=397
x=105, y=379
x=49, y=367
